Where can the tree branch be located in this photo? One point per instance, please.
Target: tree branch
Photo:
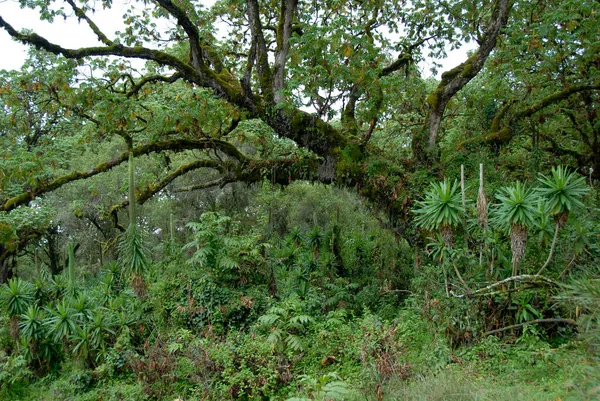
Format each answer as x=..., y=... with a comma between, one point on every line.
x=190, y=29
x=536, y=321
x=262, y=58
x=455, y=79
x=522, y=279
x=502, y=136
x=82, y=15
x=161, y=58
x=150, y=79
x=176, y=145
x=284, y=32
x=221, y=181
x=156, y=187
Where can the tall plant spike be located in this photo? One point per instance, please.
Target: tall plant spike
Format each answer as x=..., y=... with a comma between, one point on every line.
x=171, y=228
x=131, y=190
x=71, y=265
x=482, y=212
x=462, y=185
x=133, y=253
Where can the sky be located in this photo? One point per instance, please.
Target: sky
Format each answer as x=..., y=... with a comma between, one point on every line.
x=72, y=34
x=69, y=33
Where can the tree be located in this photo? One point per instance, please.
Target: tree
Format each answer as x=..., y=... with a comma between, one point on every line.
x=234, y=107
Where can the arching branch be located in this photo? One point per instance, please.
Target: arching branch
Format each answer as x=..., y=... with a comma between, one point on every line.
x=158, y=56
x=502, y=133
x=158, y=186
x=151, y=79
x=176, y=145
x=82, y=16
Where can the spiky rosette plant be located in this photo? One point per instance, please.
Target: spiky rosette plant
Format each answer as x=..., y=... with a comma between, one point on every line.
x=134, y=259
x=32, y=327
x=17, y=295
x=441, y=210
x=562, y=191
x=516, y=212
x=132, y=251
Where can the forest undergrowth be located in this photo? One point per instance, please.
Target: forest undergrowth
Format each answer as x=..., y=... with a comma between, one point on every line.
x=303, y=295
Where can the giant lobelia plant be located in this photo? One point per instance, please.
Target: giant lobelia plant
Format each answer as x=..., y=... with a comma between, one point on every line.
x=562, y=191
x=133, y=253
x=17, y=295
x=441, y=210
x=516, y=213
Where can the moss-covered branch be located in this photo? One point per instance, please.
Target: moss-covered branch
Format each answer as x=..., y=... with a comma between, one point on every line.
x=151, y=79
x=455, y=79
x=158, y=186
x=83, y=16
x=158, y=56
x=262, y=57
x=284, y=33
x=502, y=133
x=176, y=145
x=190, y=29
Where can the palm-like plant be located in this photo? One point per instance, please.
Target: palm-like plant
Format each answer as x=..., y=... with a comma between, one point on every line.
x=133, y=252
x=441, y=210
x=296, y=237
x=133, y=257
x=82, y=343
x=32, y=327
x=285, y=325
x=62, y=320
x=562, y=192
x=17, y=295
x=315, y=238
x=83, y=306
x=516, y=212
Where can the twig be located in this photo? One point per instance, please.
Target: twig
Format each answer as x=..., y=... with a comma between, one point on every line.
x=549, y=320
x=523, y=279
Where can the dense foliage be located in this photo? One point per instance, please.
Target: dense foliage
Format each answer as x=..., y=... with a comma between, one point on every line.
x=277, y=204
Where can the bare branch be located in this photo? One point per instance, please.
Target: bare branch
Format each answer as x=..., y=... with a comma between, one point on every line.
x=522, y=279
x=536, y=321
x=151, y=79
x=81, y=15
x=209, y=184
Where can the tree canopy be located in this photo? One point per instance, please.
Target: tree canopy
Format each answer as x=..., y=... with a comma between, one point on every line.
x=243, y=91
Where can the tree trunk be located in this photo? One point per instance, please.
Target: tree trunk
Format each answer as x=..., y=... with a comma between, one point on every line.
x=52, y=251
x=6, y=270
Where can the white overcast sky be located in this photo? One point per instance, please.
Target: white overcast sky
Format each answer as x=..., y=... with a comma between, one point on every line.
x=72, y=34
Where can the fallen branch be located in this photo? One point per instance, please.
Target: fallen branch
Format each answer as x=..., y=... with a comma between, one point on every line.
x=521, y=279
x=536, y=321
